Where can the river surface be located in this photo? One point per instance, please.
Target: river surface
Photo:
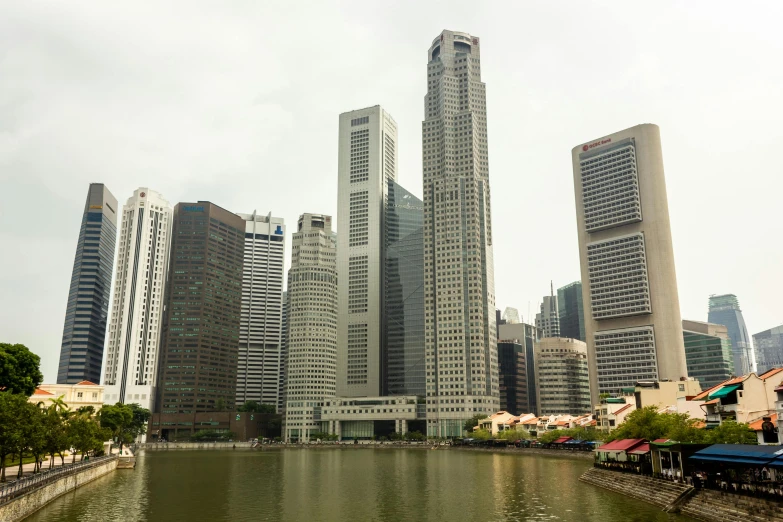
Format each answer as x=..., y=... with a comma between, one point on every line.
x=350, y=485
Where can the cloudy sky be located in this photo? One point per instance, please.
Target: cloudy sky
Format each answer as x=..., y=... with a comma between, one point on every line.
x=238, y=103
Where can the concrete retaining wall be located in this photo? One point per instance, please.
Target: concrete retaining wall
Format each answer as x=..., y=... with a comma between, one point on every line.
x=25, y=505
x=164, y=446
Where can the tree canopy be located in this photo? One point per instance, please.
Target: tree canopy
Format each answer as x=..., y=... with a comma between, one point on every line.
x=473, y=422
x=125, y=421
x=19, y=369
x=648, y=423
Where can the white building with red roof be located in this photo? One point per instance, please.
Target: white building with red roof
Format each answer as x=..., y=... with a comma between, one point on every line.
x=84, y=393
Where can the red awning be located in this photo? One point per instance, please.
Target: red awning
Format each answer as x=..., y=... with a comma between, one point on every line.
x=561, y=440
x=621, y=445
x=640, y=450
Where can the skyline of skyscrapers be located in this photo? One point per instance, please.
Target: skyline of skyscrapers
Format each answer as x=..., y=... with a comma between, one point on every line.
x=87, y=311
x=461, y=337
x=260, y=355
x=130, y=369
x=312, y=326
x=725, y=309
x=632, y=309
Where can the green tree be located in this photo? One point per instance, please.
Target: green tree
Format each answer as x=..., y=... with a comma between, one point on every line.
x=481, y=435
x=19, y=369
x=415, y=435
x=55, y=434
x=473, y=422
x=85, y=435
x=11, y=406
x=220, y=404
x=731, y=432
x=249, y=406
x=141, y=417
x=118, y=419
x=30, y=434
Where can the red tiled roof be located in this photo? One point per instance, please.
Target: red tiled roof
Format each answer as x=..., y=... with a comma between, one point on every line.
x=39, y=391
x=713, y=401
x=86, y=383
x=756, y=424
x=770, y=373
x=534, y=420
x=622, y=409
x=561, y=440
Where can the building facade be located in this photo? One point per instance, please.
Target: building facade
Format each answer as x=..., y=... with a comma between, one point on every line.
x=312, y=326
x=512, y=363
x=75, y=396
x=86, y=314
x=548, y=319
x=260, y=355
x=284, y=365
x=725, y=309
x=707, y=352
x=526, y=335
x=366, y=418
x=131, y=368
x=632, y=310
x=403, y=370
x=459, y=283
x=563, y=380
x=571, y=311
x=198, y=359
x=367, y=162
x=769, y=348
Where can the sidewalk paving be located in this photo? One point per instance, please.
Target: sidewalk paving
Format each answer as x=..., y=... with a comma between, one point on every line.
x=27, y=469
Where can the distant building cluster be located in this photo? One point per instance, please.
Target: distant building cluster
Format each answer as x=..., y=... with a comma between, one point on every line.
x=386, y=320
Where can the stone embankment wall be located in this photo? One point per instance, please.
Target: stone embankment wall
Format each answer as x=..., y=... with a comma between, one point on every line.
x=163, y=446
x=712, y=505
x=661, y=493
x=701, y=504
x=25, y=505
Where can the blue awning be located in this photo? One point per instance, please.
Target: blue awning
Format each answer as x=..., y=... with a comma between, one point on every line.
x=745, y=454
x=731, y=460
x=722, y=392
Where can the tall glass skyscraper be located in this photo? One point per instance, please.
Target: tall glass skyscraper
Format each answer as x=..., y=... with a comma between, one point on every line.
x=725, y=310
x=769, y=346
x=404, y=295
x=571, y=311
x=198, y=368
x=81, y=352
x=459, y=281
x=707, y=352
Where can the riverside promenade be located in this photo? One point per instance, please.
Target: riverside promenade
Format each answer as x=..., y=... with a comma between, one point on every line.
x=22, y=497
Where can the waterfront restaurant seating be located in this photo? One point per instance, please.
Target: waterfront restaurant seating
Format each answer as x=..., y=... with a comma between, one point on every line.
x=742, y=469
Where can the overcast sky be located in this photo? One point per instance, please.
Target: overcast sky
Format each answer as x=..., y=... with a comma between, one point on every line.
x=238, y=103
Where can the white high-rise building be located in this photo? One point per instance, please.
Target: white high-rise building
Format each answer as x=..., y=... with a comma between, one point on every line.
x=130, y=371
x=367, y=161
x=260, y=355
x=549, y=317
x=460, y=337
x=631, y=307
x=312, y=326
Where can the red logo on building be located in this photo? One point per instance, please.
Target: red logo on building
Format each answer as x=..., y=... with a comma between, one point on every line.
x=142, y=194
x=598, y=143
